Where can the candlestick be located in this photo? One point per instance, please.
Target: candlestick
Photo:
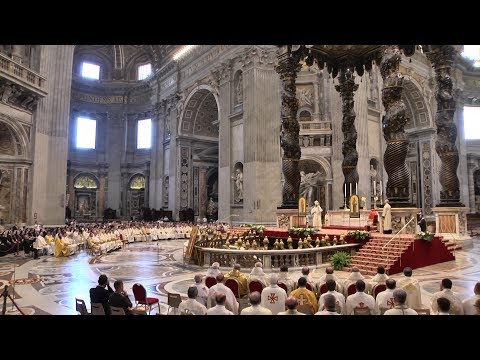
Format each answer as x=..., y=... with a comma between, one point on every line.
x=374, y=188
x=350, y=189
x=381, y=188
x=345, y=190
x=356, y=186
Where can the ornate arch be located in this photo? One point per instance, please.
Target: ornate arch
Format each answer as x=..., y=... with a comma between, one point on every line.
x=85, y=180
x=323, y=163
x=418, y=111
x=20, y=135
x=190, y=112
x=137, y=182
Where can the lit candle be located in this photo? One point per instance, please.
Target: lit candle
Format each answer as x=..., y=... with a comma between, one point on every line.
x=350, y=189
x=356, y=185
x=381, y=188
x=345, y=189
x=374, y=188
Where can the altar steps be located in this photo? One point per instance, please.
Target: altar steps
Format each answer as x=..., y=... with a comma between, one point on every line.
x=403, y=251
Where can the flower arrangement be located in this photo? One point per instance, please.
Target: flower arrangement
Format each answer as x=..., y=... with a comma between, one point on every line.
x=359, y=234
x=257, y=228
x=302, y=231
x=364, y=201
x=425, y=235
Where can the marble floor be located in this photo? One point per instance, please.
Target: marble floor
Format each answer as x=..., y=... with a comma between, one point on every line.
x=50, y=285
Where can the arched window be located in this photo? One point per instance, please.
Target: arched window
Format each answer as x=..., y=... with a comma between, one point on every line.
x=472, y=52
x=90, y=71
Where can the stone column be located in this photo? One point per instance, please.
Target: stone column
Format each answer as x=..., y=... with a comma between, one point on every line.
x=346, y=88
x=202, y=188
x=394, y=120
x=471, y=188
x=147, y=187
x=462, y=148
x=173, y=117
x=101, y=195
x=51, y=135
x=288, y=68
x=442, y=59
x=361, y=124
x=156, y=165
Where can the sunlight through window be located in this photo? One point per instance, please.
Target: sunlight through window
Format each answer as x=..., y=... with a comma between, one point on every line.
x=144, y=134
x=86, y=133
x=90, y=71
x=471, y=121
x=472, y=52
x=144, y=71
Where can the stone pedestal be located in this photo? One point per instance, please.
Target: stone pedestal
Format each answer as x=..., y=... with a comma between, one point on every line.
x=451, y=223
x=288, y=218
x=342, y=218
x=401, y=216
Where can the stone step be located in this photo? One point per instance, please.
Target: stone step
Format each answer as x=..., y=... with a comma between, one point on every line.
x=390, y=260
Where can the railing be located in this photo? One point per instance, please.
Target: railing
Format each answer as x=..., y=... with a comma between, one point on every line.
x=5, y=294
x=18, y=71
x=310, y=125
x=393, y=238
x=270, y=258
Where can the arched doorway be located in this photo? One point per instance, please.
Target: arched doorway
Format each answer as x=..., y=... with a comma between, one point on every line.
x=312, y=184
x=85, y=204
x=198, y=171
x=136, y=196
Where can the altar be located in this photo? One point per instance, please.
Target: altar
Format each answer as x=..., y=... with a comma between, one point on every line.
x=343, y=218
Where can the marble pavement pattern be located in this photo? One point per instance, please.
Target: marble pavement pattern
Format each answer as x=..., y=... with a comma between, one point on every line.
x=49, y=285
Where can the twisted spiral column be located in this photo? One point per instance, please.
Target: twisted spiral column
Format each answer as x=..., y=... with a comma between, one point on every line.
x=394, y=120
x=442, y=60
x=288, y=69
x=346, y=88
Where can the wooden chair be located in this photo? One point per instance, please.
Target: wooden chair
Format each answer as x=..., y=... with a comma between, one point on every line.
x=361, y=311
x=255, y=286
x=422, y=311
x=323, y=289
x=174, y=301
x=140, y=295
x=210, y=281
x=233, y=285
x=283, y=286
x=351, y=289
x=97, y=309
x=309, y=287
x=378, y=288
x=81, y=307
x=117, y=310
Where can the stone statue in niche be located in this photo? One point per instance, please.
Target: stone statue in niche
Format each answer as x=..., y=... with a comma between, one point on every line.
x=238, y=179
x=308, y=183
x=239, y=90
x=305, y=97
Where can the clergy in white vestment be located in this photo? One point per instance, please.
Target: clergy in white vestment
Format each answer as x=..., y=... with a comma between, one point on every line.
x=306, y=274
x=285, y=278
x=469, y=304
x=191, y=304
x=354, y=276
x=213, y=270
x=385, y=298
x=255, y=308
x=412, y=288
x=257, y=274
x=41, y=244
x=219, y=309
x=340, y=298
x=231, y=302
x=401, y=308
x=202, y=289
x=456, y=307
x=329, y=275
x=273, y=296
x=443, y=306
x=330, y=304
x=379, y=278
x=360, y=299
x=291, y=305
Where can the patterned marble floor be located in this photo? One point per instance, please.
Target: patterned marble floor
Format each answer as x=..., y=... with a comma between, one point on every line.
x=49, y=285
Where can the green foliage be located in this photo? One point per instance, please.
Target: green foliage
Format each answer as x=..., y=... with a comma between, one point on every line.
x=359, y=234
x=302, y=231
x=340, y=259
x=425, y=235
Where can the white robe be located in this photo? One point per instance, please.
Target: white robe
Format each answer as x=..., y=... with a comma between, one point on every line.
x=284, y=277
x=193, y=306
x=231, y=303
x=360, y=299
x=468, y=305
x=326, y=312
x=257, y=274
x=400, y=310
x=412, y=288
x=211, y=272
x=384, y=300
x=273, y=298
x=256, y=310
x=340, y=300
x=290, y=312
x=317, y=216
x=387, y=217
x=202, y=294
x=456, y=306
x=219, y=310
x=324, y=278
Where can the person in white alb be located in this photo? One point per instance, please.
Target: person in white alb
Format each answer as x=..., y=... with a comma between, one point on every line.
x=257, y=274
x=231, y=302
x=385, y=298
x=329, y=301
x=220, y=308
x=456, y=307
x=412, y=288
x=202, y=289
x=379, y=278
x=191, y=304
x=354, y=276
x=291, y=305
x=443, y=306
x=273, y=297
x=284, y=277
x=329, y=275
x=360, y=299
x=213, y=270
x=306, y=274
x=469, y=304
x=340, y=302
x=255, y=308
x=401, y=307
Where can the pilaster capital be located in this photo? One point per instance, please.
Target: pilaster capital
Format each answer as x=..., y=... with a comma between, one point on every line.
x=222, y=73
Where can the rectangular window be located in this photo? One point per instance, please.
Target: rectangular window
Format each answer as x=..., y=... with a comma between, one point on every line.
x=144, y=134
x=144, y=71
x=471, y=122
x=86, y=133
x=90, y=71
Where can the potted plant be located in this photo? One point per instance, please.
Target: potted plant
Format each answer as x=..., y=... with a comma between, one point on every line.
x=425, y=235
x=340, y=259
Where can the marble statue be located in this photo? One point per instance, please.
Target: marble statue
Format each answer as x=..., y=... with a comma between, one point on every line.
x=308, y=182
x=387, y=218
x=239, y=90
x=238, y=178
